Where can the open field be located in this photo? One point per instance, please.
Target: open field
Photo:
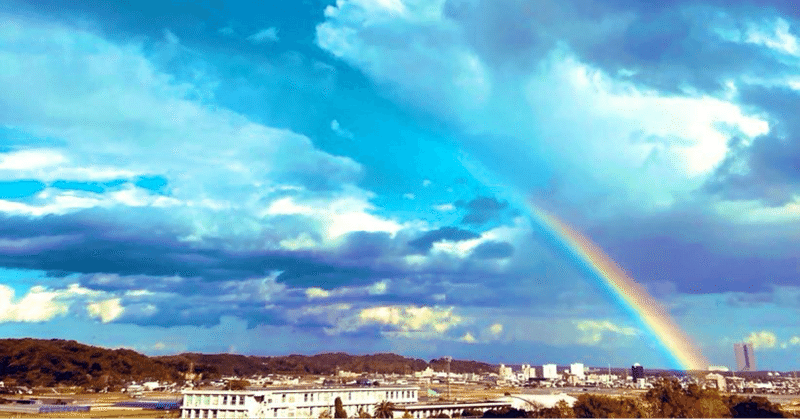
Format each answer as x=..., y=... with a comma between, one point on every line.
x=102, y=406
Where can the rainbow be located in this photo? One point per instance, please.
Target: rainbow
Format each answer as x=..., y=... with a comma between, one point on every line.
x=677, y=347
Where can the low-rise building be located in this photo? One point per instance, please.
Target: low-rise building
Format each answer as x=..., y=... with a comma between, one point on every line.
x=290, y=402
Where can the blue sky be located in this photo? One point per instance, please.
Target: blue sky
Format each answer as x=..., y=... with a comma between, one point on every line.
x=310, y=176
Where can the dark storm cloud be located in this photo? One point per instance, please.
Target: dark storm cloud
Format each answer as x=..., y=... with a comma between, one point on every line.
x=669, y=45
x=493, y=250
x=482, y=210
x=701, y=253
x=674, y=48
x=366, y=245
x=91, y=242
x=769, y=168
x=425, y=242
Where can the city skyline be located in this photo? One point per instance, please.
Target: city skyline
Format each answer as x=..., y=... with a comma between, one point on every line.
x=510, y=182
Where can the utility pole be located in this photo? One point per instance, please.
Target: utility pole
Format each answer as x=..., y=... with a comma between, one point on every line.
x=448, y=359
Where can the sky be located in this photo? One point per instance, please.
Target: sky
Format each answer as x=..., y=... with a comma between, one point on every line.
x=314, y=176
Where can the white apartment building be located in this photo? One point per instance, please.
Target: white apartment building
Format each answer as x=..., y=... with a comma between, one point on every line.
x=527, y=372
x=549, y=371
x=505, y=372
x=290, y=402
x=576, y=369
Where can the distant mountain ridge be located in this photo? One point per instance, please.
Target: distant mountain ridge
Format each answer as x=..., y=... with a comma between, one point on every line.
x=49, y=363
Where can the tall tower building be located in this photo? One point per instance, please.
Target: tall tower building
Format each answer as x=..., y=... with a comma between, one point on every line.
x=745, y=357
x=637, y=371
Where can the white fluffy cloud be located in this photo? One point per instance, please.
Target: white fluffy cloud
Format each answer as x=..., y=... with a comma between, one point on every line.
x=377, y=288
x=777, y=37
x=59, y=202
x=338, y=130
x=316, y=292
x=106, y=310
x=411, y=321
x=763, y=339
x=335, y=216
x=33, y=159
x=40, y=303
x=593, y=332
x=264, y=36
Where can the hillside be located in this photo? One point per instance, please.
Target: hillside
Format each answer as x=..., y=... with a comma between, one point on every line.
x=50, y=363
x=323, y=364
x=35, y=362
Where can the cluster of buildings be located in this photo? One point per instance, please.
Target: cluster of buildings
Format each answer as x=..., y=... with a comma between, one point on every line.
x=527, y=374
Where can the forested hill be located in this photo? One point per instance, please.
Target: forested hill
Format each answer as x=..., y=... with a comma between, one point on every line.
x=327, y=364
x=37, y=362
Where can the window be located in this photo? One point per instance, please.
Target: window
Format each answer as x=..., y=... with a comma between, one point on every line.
x=283, y=398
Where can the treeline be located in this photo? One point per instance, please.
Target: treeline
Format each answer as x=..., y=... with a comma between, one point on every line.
x=50, y=363
x=55, y=362
x=322, y=364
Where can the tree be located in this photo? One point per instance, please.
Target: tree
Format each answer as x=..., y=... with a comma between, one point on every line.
x=363, y=414
x=561, y=410
x=237, y=385
x=507, y=412
x=326, y=414
x=384, y=409
x=338, y=408
x=596, y=406
x=471, y=413
x=407, y=415
x=753, y=407
x=669, y=399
